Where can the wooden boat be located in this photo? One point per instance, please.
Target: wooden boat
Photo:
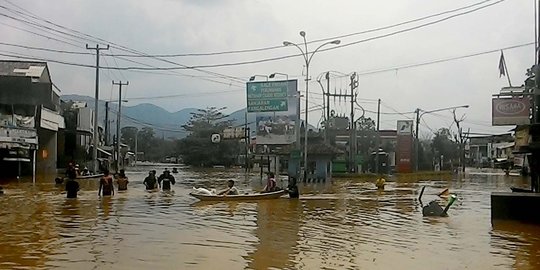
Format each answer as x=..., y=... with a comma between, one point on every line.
x=92, y=176
x=240, y=197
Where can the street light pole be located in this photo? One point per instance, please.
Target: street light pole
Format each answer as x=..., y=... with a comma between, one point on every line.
x=307, y=59
x=418, y=117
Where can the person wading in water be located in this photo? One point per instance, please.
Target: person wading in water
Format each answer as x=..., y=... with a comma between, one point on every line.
x=122, y=181
x=72, y=186
x=106, y=184
x=167, y=180
x=150, y=181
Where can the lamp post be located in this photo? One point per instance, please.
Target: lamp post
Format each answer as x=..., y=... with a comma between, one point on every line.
x=307, y=58
x=418, y=116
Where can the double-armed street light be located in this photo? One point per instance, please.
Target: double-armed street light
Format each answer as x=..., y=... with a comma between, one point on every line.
x=307, y=59
x=419, y=113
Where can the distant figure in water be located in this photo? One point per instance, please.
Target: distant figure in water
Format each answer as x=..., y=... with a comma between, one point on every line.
x=1, y=191
x=174, y=170
x=380, y=183
x=72, y=187
x=106, y=184
x=167, y=180
x=122, y=181
x=58, y=180
x=150, y=182
x=231, y=189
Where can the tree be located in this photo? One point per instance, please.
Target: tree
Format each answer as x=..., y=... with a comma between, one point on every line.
x=460, y=138
x=367, y=141
x=197, y=148
x=443, y=144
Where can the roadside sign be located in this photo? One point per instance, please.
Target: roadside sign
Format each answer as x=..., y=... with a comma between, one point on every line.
x=267, y=96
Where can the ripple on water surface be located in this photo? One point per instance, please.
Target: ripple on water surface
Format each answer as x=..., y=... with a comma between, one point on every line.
x=345, y=224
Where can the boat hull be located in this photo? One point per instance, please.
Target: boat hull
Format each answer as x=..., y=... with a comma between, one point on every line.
x=240, y=197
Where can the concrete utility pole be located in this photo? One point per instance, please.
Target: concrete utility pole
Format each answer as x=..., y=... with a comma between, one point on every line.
x=106, y=123
x=120, y=83
x=378, y=138
x=96, y=107
x=354, y=85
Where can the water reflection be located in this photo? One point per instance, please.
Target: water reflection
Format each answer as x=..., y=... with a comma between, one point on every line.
x=343, y=224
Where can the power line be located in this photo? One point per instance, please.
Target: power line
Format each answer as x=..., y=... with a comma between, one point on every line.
x=314, y=41
x=93, y=39
x=198, y=67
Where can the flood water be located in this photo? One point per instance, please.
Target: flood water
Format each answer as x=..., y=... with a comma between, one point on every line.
x=343, y=224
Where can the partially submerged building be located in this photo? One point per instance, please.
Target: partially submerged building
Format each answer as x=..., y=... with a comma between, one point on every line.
x=29, y=118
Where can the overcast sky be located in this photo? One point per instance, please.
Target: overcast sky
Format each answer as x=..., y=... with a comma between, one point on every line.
x=204, y=26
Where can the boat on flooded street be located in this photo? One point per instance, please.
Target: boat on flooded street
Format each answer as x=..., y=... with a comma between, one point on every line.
x=240, y=197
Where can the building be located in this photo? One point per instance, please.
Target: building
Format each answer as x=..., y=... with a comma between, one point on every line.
x=29, y=118
x=483, y=150
x=77, y=138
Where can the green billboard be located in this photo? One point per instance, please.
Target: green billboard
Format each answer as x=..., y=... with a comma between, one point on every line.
x=267, y=96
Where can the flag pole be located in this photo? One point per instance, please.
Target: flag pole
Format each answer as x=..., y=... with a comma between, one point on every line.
x=506, y=70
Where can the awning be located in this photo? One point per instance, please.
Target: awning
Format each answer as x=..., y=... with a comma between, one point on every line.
x=504, y=145
x=17, y=159
x=104, y=152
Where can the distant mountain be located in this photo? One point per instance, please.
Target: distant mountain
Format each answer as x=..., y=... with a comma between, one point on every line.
x=165, y=123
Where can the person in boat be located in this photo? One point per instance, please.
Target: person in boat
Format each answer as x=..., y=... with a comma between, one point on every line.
x=150, y=182
x=231, y=189
x=166, y=180
x=271, y=184
x=122, y=180
x=106, y=184
x=85, y=171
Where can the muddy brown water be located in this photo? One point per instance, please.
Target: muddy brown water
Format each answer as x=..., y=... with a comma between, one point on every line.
x=343, y=224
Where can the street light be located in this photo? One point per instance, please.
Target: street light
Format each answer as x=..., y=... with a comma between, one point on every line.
x=418, y=116
x=307, y=59
x=252, y=78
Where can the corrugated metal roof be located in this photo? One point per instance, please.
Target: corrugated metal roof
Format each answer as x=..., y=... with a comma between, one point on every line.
x=22, y=68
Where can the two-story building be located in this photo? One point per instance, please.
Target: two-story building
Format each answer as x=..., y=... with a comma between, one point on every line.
x=29, y=118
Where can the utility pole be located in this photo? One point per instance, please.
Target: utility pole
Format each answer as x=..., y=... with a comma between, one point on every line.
x=416, y=142
x=106, y=123
x=378, y=138
x=118, y=160
x=354, y=85
x=96, y=107
x=327, y=131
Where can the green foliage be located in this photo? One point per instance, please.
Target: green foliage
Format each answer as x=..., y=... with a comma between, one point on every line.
x=197, y=148
x=153, y=149
x=443, y=144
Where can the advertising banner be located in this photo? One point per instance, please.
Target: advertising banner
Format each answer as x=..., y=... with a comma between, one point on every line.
x=276, y=124
x=404, y=148
x=510, y=111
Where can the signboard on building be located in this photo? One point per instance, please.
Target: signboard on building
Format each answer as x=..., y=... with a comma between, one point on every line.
x=404, y=149
x=234, y=133
x=268, y=96
x=510, y=111
x=277, y=125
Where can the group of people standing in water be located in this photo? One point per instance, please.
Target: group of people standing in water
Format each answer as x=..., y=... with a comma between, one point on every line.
x=163, y=182
x=106, y=182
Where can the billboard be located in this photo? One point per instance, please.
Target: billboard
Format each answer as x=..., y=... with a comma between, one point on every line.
x=276, y=124
x=268, y=96
x=404, y=148
x=510, y=111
